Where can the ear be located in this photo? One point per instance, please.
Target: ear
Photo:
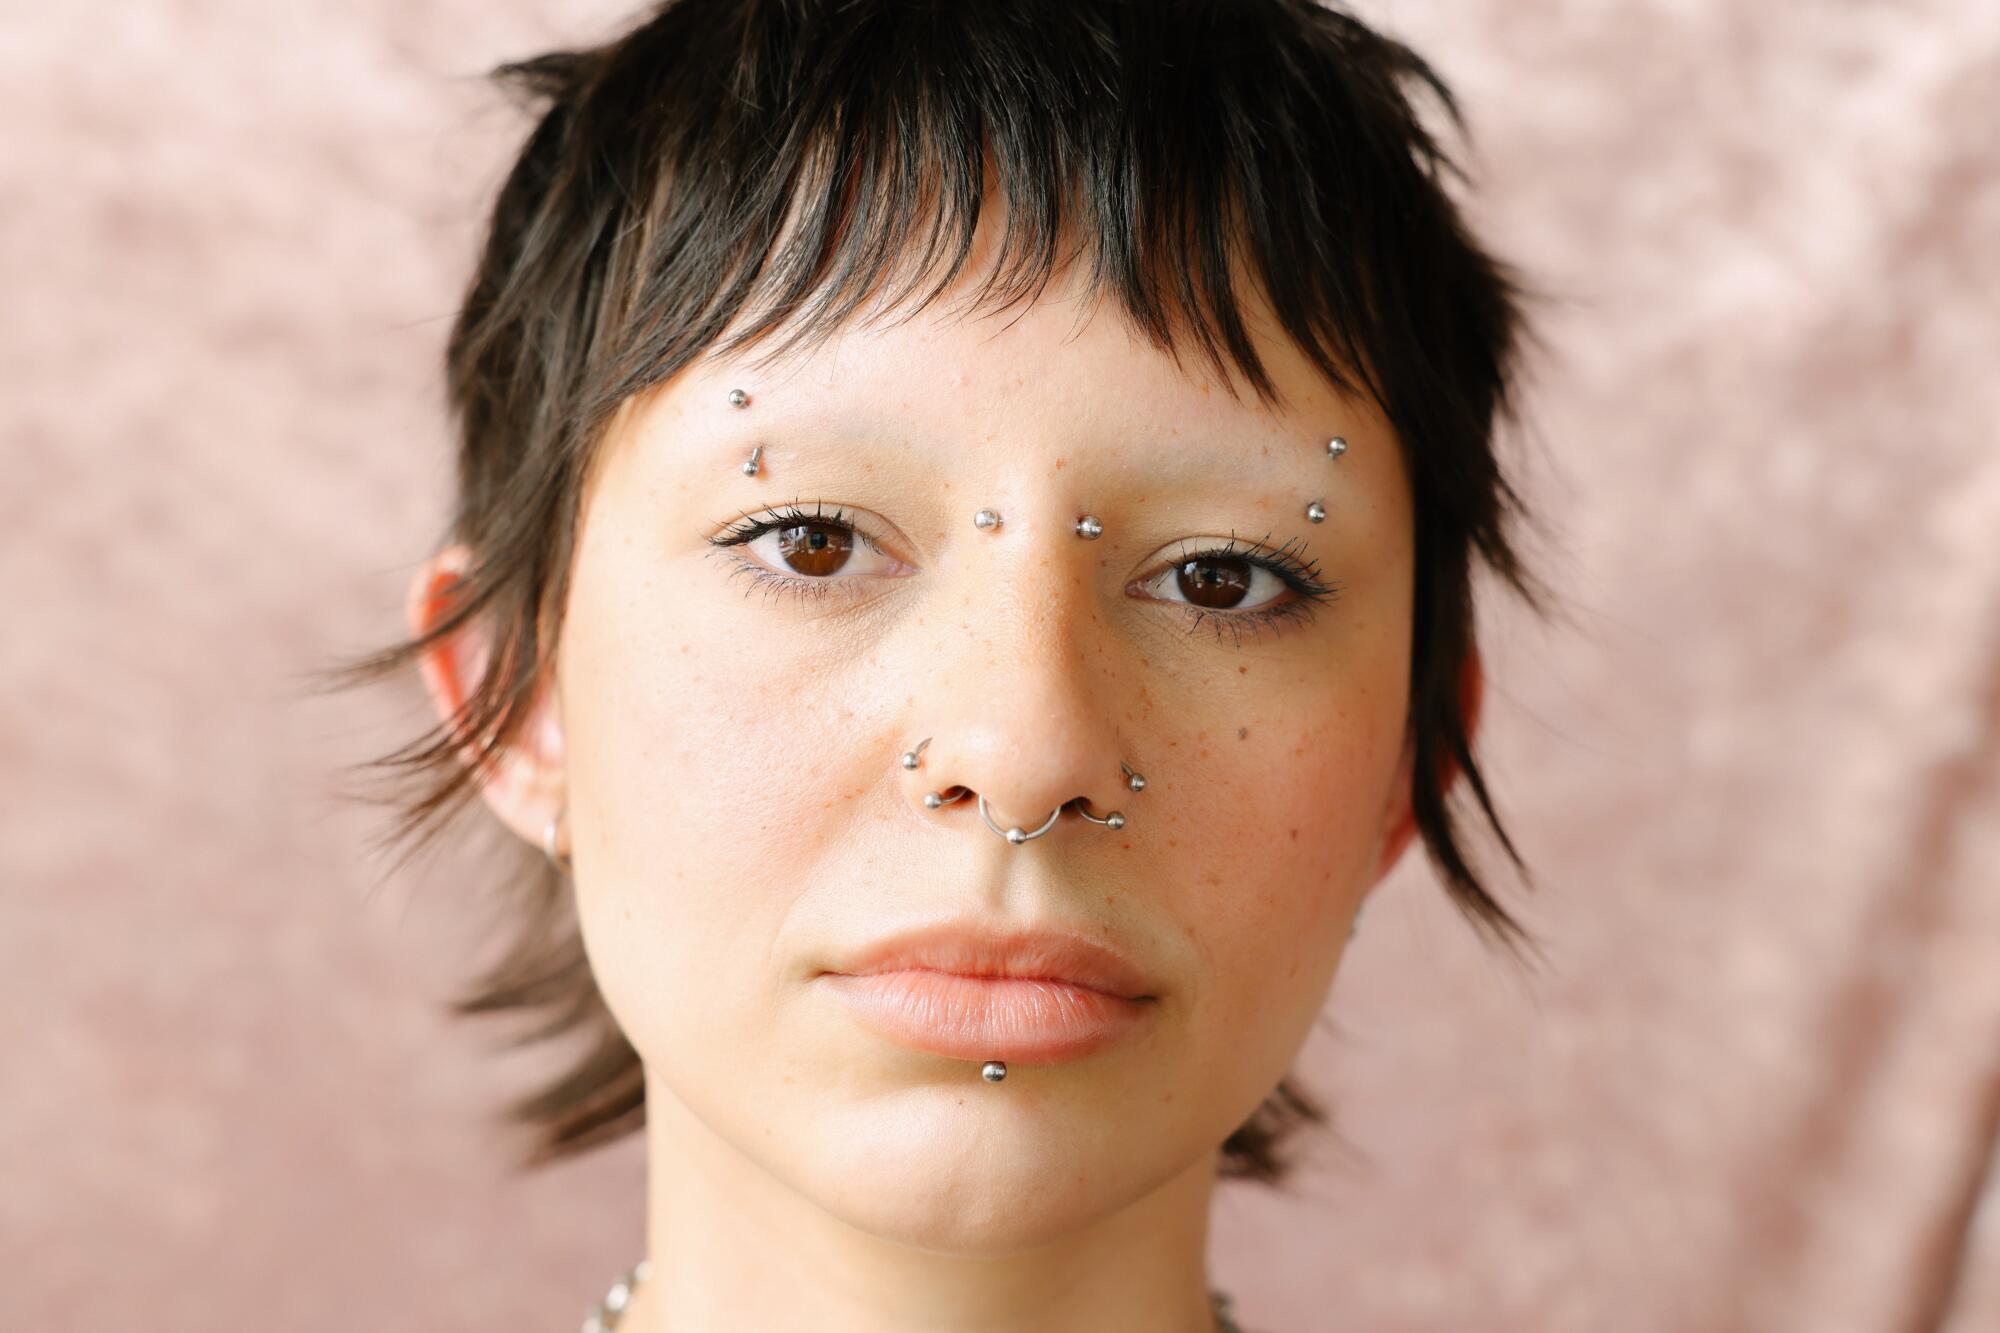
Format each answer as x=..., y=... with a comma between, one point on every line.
x=526, y=788
x=1400, y=822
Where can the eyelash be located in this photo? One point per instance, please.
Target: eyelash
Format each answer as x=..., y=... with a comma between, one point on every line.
x=1300, y=575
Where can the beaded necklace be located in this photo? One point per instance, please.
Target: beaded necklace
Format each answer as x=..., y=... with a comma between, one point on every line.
x=604, y=1316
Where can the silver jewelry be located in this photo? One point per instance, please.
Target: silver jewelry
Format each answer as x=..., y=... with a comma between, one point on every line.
x=985, y=518
x=1089, y=528
x=750, y=464
x=993, y=1070
x=1335, y=447
x=738, y=398
x=561, y=863
x=604, y=1316
x=1017, y=836
x=1316, y=512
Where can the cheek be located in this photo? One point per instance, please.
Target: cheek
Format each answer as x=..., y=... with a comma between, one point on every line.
x=1288, y=842
x=690, y=757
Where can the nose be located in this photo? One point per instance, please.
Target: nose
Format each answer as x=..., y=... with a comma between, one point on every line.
x=1023, y=734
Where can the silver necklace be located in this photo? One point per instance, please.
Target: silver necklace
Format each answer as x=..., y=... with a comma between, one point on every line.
x=604, y=1316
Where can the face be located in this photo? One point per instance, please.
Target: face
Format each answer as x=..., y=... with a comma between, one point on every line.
x=732, y=719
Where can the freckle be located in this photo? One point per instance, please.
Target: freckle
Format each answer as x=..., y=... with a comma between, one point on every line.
x=1243, y=671
x=788, y=1078
x=1242, y=733
x=1295, y=968
x=1061, y=463
x=1295, y=835
x=1164, y=1100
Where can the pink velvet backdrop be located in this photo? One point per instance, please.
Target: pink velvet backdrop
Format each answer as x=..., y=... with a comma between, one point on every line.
x=1758, y=769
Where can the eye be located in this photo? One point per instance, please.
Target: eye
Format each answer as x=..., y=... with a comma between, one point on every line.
x=801, y=551
x=1233, y=589
x=807, y=553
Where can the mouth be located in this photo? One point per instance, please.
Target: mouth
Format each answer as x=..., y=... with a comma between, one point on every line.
x=973, y=990
x=969, y=1017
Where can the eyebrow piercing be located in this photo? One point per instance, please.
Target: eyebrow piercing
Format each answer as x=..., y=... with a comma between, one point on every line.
x=750, y=464
x=1316, y=512
x=738, y=398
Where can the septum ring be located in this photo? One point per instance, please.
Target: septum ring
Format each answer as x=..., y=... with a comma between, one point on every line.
x=1017, y=836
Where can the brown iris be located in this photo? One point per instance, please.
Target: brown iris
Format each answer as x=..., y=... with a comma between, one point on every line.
x=815, y=548
x=1215, y=582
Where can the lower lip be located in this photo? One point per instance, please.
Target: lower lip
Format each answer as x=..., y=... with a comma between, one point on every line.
x=988, y=1018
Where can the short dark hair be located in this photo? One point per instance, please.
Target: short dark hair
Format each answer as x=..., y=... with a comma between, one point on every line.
x=1184, y=140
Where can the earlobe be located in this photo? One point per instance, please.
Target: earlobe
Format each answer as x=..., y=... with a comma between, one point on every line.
x=526, y=787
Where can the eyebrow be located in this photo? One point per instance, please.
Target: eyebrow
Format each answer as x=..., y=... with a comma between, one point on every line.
x=832, y=441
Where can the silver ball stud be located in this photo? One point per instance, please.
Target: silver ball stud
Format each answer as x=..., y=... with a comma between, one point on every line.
x=1316, y=512
x=932, y=800
x=750, y=464
x=738, y=398
x=985, y=518
x=1335, y=447
x=1132, y=779
x=993, y=1071
x=1089, y=528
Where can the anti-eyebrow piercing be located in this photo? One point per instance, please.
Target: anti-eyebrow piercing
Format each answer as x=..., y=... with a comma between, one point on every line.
x=750, y=464
x=1335, y=447
x=1316, y=512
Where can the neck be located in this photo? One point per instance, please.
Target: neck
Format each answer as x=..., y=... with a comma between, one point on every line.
x=744, y=1232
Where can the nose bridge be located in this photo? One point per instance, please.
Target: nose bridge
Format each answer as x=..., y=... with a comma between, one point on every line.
x=1023, y=712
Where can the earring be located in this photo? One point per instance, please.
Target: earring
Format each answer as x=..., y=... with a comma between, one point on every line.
x=562, y=862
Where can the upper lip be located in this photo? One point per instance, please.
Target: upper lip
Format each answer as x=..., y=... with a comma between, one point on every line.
x=978, y=950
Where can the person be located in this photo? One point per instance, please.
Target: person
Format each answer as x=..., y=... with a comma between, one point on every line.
x=951, y=727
